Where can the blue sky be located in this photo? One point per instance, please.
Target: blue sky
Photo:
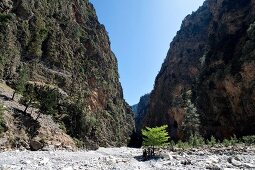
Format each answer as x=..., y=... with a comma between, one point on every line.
x=140, y=32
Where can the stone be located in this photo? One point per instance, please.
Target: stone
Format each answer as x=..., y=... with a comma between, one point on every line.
x=212, y=159
x=234, y=162
x=213, y=167
x=249, y=165
x=35, y=145
x=44, y=161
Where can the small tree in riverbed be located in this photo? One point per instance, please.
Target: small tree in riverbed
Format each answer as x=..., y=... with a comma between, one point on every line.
x=155, y=137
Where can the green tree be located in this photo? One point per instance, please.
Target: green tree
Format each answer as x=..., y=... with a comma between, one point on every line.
x=155, y=137
x=191, y=123
x=49, y=100
x=21, y=82
x=29, y=98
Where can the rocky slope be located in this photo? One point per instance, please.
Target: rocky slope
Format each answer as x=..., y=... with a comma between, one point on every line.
x=140, y=110
x=213, y=56
x=63, y=45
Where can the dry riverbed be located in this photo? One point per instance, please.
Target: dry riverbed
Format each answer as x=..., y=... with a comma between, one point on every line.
x=129, y=159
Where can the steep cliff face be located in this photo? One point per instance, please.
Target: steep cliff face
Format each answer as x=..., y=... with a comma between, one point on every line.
x=140, y=110
x=63, y=45
x=212, y=55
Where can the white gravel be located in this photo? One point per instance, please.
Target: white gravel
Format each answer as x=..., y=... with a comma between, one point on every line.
x=126, y=159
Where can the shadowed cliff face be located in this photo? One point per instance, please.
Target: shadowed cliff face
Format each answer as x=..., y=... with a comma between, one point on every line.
x=63, y=44
x=212, y=55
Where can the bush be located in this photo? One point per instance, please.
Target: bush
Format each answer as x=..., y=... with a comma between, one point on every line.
x=212, y=142
x=248, y=140
x=196, y=141
x=226, y=143
x=4, y=18
x=183, y=145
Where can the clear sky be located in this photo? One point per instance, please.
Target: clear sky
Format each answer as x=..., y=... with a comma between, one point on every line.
x=140, y=32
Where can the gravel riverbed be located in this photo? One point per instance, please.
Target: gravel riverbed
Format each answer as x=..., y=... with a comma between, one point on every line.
x=128, y=159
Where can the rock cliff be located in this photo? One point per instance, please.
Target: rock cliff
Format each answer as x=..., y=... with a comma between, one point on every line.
x=64, y=46
x=140, y=110
x=213, y=56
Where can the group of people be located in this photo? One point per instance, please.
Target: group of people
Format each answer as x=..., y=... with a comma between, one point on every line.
x=148, y=153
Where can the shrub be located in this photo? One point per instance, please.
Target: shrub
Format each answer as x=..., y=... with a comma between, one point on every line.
x=183, y=145
x=4, y=18
x=2, y=124
x=233, y=140
x=248, y=140
x=212, y=142
x=226, y=143
x=196, y=141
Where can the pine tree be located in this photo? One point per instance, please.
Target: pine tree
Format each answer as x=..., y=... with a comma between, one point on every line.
x=155, y=137
x=21, y=82
x=49, y=100
x=191, y=123
x=29, y=98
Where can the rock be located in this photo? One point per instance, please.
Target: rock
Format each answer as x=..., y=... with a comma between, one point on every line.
x=213, y=167
x=48, y=148
x=234, y=161
x=35, y=145
x=209, y=41
x=9, y=167
x=44, y=161
x=212, y=159
x=249, y=165
x=186, y=162
x=26, y=161
x=70, y=148
x=170, y=156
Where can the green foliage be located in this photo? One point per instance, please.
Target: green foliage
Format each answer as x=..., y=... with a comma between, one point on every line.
x=21, y=81
x=196, y=141
x=4, y=18
x=2, y=64
x=40, y=34
x=191, y=123
x=23, y=77
x=29, y=97
x=183, y=145
x=45, y=98
x=2, y=124
x=226, y=143
x=212, y=142
x=49, y=100
x=249, y=140
x=157, y=136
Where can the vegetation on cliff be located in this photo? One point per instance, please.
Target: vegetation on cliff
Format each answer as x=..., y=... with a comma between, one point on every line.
x=213, y=57
x=69, y=63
